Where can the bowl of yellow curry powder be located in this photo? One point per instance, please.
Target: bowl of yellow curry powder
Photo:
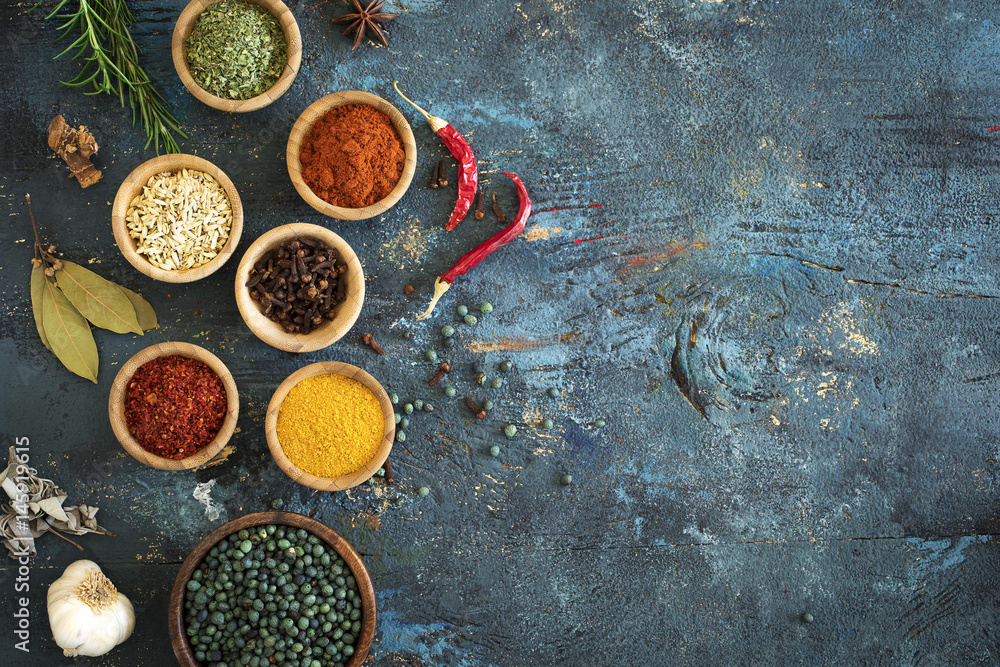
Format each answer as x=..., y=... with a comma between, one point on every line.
x=330, y=426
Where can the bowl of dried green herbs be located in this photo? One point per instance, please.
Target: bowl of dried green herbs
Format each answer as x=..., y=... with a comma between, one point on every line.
x=177, y=218
x=236, y=55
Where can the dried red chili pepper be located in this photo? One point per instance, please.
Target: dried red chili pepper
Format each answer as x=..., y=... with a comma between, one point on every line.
x=468, y=173
x=174, y=406
x=477, y=254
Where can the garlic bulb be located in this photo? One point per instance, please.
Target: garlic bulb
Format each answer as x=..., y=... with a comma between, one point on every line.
x=87, y=614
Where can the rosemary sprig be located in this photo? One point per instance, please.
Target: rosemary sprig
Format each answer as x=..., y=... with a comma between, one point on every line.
x=111, y=64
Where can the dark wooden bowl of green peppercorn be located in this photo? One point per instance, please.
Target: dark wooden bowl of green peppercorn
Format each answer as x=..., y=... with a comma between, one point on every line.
x=228, y=607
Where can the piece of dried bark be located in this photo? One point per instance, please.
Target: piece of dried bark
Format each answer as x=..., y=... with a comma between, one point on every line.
x=75, y=146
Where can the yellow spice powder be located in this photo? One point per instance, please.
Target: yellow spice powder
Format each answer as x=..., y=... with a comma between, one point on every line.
x=330, y=425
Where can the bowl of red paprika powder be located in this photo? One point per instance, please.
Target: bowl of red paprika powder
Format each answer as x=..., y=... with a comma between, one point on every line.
x=173, y=406
x=351, y=155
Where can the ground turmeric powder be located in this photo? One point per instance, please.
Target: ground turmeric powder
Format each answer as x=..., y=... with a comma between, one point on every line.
x=330, y=425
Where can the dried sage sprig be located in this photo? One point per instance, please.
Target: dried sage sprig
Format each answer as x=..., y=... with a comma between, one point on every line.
x=65, y=296
x=36, y=507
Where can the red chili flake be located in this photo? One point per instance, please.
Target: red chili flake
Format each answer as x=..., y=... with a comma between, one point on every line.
x=174, y=406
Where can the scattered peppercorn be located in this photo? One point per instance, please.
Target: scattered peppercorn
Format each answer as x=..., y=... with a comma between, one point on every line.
x=495, y=450
x=497, y=383
x=398, y=417
x=481, y=379
x=599, y=423
x=448, y=343
x=505, y=366
x=431, y=355
x=488, y=405
x=408, y=408
x=462, y=311
x=408, y=289
x=471, y=320
x=553, y=392
x=418, y=404
x=807, y=618
x=381, y=472
x=486, y=308
x=277, y=503
x=404, y=422
x=449, y=391
x=400, y=501
x=423, y=491
x=400, y=436
x=428, y=407
x=510, y=431
x=547, y=424
x=394, y=399
x=566, y=480
x=447, y=330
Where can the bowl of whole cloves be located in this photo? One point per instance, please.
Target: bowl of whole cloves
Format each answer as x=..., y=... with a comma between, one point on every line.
x=300, y=287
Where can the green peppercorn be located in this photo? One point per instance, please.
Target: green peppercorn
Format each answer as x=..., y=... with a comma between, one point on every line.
x=447, y=330
x=566, y=480
x=371, y=480
x=547, y=424
x=400, y=501
x=400, y=436
x=462, y=311
x=506, y=365
x=277, y=503
x=449, y=391
x=481, y=379
x=423, y=491
x=408, y=408
x=418, y=404
x=428, y=407
x=431, y=355
x=380, y=473
x=487, y=405
x=486, y=307
x=510, y=431
x=404, y=422
x=553, y=392
x=393, y=398
x=495, y=450
x=807, y=618
x=599, y=423
x=497, y=383
x=398, y=417
x=471, y=320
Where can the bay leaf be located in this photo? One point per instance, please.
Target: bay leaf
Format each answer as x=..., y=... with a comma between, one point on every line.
x=37, y=287
x=144, y=312
x=53, y=507
x=69, y=333
x=99, y=300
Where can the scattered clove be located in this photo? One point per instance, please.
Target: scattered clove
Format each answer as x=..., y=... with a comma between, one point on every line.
x=442, y=369
x=387, y=466
x=434, y=177
x=368, y=340
x=441, y=176
x=408, y=289
x=479, y=412
x=501, y=218
x=479, y=206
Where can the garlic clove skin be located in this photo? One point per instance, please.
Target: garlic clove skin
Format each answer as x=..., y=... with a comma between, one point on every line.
x=87, y=614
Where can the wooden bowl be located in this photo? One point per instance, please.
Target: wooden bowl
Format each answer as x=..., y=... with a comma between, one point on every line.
x=326, y=333
x=175, y=614
x=185, y=26
x=116, y=406
x=304, y=124
x=329, y=483
x=132, y=186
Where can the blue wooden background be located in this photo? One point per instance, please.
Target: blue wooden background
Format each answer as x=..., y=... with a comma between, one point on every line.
x=764, y=250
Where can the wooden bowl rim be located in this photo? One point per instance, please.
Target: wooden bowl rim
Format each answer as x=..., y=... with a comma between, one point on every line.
x=330, y=331
x=344, y=481
x=175, y=613
x=293, y=38
x=116, y=405
x=303, y=125
x=133, y=184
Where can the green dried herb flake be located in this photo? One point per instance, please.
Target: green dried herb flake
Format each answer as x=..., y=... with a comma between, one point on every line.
x=236, y=50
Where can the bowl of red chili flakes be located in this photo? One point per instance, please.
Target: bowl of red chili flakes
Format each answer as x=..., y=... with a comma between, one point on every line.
x=173, y=406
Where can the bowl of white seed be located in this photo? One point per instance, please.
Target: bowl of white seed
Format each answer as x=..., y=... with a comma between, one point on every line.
x=177, y=218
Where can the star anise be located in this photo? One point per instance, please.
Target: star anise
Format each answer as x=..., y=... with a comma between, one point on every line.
x=366, y=19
